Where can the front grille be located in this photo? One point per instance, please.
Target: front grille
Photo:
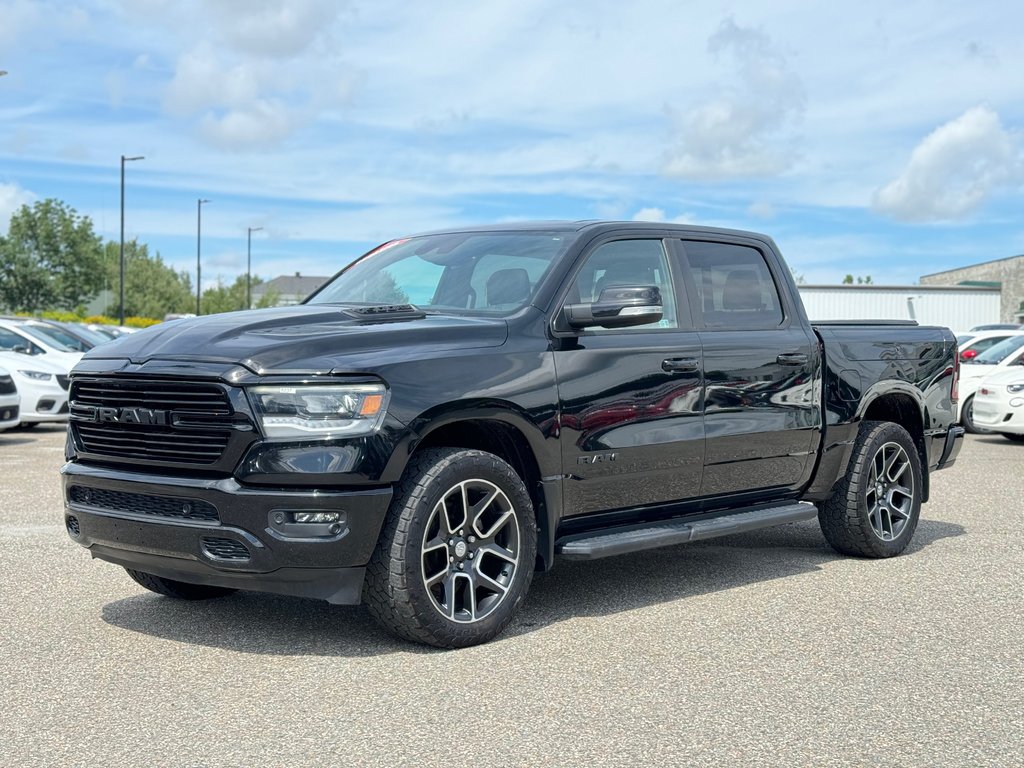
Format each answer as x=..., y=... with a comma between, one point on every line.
x=64, y=381
x=200, y=411
x=144, y=504
x=225, y=549
x=7, y=386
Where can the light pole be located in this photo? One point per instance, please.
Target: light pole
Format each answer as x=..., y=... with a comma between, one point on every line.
x=121, y=303
x=199, y=244
x=248, y=265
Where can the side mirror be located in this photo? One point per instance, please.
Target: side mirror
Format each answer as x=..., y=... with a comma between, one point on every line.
x=617, y=307
x=21, y=350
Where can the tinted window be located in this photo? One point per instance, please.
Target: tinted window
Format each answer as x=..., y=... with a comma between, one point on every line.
x=9, y=340
x=734, y=286
x=627, y=262
x=996, y=354
x=487, y=272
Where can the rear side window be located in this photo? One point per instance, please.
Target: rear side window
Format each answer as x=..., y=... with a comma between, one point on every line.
x=734, y=286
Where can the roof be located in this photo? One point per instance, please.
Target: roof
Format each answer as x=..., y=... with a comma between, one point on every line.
x=595, y=225
x=977, y=264
x=912, y=288
x=291, y=285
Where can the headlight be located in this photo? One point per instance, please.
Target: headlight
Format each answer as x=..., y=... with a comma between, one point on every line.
x=36, y=375
x=301, y=410
x=1014, y=389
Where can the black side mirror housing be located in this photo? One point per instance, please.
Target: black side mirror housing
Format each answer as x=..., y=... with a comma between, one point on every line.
x=617, y=307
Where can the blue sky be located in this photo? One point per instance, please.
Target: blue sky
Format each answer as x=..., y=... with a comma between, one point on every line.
x=881, y=138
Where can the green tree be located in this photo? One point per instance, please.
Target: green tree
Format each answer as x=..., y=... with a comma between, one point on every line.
x=228, y=298
x=865, y=280
x=51, y=259
x=151, y=287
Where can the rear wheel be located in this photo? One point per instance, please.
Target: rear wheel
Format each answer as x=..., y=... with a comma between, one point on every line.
x=875, y=508
x=456, y=555
x=179, y=589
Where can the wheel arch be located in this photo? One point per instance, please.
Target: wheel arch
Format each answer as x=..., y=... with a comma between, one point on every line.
x=904, y=407
x=507, y=434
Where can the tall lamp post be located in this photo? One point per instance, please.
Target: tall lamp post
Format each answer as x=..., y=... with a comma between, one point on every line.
x=121, y=303
x=199, y=245
x=248, y=265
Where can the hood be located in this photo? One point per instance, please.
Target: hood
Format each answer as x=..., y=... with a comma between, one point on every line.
x=45, y=363
x=1012, y=375
x=316, y=338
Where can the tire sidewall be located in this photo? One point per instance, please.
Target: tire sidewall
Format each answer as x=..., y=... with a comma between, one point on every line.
x=890, y=433
x=467, y=465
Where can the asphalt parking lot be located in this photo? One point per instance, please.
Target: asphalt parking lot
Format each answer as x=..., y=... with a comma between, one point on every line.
x=759, y=649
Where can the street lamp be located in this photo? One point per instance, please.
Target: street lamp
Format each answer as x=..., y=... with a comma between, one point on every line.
x=248, y=265
x=121, y=303
x=199, y=241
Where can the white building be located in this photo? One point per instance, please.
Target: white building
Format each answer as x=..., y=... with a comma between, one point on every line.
x=958, y=307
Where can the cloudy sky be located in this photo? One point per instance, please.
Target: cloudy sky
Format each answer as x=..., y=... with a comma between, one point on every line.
x=877, y=138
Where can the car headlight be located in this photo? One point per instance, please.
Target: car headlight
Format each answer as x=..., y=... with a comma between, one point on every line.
x=1015, y=389
x=319, y=411
x=36, y=375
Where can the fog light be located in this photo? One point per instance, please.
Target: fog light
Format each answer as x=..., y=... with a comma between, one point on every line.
x=316, y=517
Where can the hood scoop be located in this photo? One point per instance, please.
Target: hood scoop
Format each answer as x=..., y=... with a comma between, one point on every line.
x=384, y=312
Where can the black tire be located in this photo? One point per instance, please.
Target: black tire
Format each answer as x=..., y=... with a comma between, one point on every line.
x=967, y=418
x=860, y=520
x=413, y=543
x=178, y=589
x=28, y=425
x=1013, y=437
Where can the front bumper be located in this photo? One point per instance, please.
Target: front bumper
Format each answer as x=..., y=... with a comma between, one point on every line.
x=221, y=533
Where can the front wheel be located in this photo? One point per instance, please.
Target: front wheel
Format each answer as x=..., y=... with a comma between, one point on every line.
x=967, y=418
x=1014, y=437
x=874, y=509
x=457, y=551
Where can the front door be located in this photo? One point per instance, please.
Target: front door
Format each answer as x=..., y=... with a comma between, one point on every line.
x=630, y=425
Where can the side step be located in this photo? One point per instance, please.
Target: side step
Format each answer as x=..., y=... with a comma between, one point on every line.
x=618, y=541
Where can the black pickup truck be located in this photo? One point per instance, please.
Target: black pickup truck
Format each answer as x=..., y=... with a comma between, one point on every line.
x=456, y=410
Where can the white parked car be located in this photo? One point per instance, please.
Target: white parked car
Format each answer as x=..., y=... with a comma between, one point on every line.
x=9, y=401
x=42, y=385
x=972, y=344
x=1006, y=355
x=15, y=337
x=999, y=404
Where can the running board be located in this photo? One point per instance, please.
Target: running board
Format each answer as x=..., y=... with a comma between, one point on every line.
x=618, y=541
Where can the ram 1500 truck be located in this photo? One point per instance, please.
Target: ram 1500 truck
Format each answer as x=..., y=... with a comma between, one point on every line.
x=456, y=410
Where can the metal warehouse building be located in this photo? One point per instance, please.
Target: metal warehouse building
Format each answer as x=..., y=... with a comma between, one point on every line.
x=958, y=307
x=1007, y=275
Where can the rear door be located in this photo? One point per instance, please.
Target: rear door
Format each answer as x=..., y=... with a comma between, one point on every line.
x=630, y=425
x=762, y=406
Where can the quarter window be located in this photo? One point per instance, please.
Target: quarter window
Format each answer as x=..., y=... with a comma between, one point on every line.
x=734, y=286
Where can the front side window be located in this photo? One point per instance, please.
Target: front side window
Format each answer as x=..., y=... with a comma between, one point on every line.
x=627, y=263
x=734, y=286
x=464, y=273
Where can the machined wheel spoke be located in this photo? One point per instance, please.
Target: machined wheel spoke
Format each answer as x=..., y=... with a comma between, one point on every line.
x=437, y=578
x=500, y=523
x=438, y=542
x=480, y=507
x=499, y=551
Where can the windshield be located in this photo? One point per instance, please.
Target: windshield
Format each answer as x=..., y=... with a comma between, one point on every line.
x=465, y=273
x=996, y=354
x=50, y=340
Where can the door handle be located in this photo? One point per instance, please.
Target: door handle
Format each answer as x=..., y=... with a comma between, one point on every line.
x=680, y=365
x=792, y=358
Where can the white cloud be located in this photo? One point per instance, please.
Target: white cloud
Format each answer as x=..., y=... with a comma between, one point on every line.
x=12, y=197
x=274, y=28
x=742, y=131
x=262, y=124
x=658, y=214
x=954, y=169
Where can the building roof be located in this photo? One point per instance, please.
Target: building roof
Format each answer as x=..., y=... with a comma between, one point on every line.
x=867, y=287
x=291, y=285
x=978, y=264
